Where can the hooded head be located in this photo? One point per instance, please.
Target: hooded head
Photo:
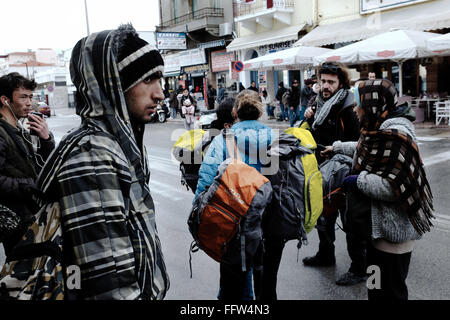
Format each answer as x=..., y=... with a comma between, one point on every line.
x=107, y=64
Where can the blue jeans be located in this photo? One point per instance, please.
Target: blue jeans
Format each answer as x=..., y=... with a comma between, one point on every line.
x=284, y=112
x=173, y=113
x=302, y=113
x=294, y=115
x=269, y=110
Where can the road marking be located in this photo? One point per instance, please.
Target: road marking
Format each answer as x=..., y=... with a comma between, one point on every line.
x=429, y=139
x=169, y=191
x=437, y=158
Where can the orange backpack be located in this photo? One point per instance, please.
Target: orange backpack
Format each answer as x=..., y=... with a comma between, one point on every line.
x=225, y=220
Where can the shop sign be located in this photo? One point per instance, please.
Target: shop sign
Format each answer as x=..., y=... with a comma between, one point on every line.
x=212, y=44
x=220, y=60
x=171, y=40
x=368, y=6
x=196, y=69
x=173, y=62
x=192, y=57
x=274, y=47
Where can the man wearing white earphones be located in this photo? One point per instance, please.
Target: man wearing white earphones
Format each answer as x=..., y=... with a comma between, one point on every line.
x=19, y=163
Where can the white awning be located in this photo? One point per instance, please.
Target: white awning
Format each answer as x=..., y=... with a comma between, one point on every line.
x=394, y=45
x=439, y=43
x=261, y=39
x=292, y=57
x=431, y=15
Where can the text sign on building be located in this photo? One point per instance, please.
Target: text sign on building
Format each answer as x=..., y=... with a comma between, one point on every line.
x=367, y=6
x=171, y=40
x=220, y=60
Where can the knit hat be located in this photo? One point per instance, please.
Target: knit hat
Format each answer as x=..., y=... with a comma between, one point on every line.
x=136, y=58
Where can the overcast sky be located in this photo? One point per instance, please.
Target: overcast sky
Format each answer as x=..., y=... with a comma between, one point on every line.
x=59, y=24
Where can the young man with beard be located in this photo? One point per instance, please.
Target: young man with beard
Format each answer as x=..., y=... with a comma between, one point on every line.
x=331, y=118
x=19, y=163
x=100, y=171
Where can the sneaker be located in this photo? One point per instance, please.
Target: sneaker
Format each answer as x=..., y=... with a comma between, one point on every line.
x=318, y=261
x=350, y=279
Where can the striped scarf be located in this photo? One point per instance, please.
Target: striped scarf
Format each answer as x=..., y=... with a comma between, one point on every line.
x=324, y=107
x=391, y=154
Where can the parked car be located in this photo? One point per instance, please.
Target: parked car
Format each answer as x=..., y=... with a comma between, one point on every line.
x=205, y=119
x=43, y=108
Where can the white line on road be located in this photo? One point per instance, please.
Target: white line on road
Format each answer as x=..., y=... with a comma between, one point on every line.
x=437, y=158
x=429, y=139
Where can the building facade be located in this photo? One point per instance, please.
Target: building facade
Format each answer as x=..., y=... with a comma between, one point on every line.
x=192, y=37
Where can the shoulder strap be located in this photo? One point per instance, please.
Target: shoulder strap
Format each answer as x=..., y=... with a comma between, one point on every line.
x=231, y=146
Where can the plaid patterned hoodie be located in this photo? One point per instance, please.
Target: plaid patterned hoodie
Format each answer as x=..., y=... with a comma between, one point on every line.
x=100, y=174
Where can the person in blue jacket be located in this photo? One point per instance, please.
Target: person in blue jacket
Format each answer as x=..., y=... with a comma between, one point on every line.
x=253, y=140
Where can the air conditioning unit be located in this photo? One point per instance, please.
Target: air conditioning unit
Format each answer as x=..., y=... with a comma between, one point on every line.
x=225, y=28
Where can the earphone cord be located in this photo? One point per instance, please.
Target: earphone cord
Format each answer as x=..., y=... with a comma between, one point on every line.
x=37, y=156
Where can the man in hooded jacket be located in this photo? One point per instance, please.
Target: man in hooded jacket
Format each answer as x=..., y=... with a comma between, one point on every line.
x=100, y=173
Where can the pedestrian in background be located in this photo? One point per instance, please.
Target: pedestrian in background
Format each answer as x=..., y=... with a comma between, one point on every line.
x=173, y=103
x=388, y=174
x=266, y=100
x=294, y=101
x=279, y=96
x=306, y=94
x=253, y=87
x=188, y=110
x=221, y=93
x=212, y=94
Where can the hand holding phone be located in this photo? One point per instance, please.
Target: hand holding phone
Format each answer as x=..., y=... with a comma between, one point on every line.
x=38, y=126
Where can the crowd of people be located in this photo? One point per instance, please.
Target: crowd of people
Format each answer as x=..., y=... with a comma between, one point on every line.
x=98, y=174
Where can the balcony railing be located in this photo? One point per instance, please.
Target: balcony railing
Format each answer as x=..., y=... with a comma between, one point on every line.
x=195, y=15
x=246, y=8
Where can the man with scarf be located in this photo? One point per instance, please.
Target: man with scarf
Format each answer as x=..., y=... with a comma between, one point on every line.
x=100, y=172
x=331, y=118
x=388, y=175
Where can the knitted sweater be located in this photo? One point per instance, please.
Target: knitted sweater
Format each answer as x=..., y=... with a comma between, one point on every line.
x=388, y=221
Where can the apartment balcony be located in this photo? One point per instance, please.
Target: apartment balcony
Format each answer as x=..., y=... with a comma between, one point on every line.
x=207, y=19
x=263, y=12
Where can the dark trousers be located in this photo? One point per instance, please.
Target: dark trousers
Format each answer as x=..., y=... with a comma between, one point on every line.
x=356, y=246
x=235, y=284
x=393, y=271
x=273, y=250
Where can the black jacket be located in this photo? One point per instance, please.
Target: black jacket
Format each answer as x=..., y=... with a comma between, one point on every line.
x=306, y=95
x=18, y=172
x=294, y=97
x=280, y=93
x=341, y=124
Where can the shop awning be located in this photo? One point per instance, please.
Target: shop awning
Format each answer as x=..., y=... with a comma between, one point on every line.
x=432, y=15
x=264, y=38
x=439, y=43
x=292, y=57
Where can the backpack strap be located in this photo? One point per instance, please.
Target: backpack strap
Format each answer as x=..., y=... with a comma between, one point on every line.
x=231, y=147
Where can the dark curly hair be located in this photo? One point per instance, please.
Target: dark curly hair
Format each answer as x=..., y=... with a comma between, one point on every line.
x=13, y=81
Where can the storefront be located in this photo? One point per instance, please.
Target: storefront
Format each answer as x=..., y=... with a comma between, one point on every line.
x=260, y=44
x=221, y=62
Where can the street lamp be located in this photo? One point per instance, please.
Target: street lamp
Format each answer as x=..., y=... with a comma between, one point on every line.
x=87, y=18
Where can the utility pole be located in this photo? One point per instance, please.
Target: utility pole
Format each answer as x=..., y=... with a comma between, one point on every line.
x=87, y=18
